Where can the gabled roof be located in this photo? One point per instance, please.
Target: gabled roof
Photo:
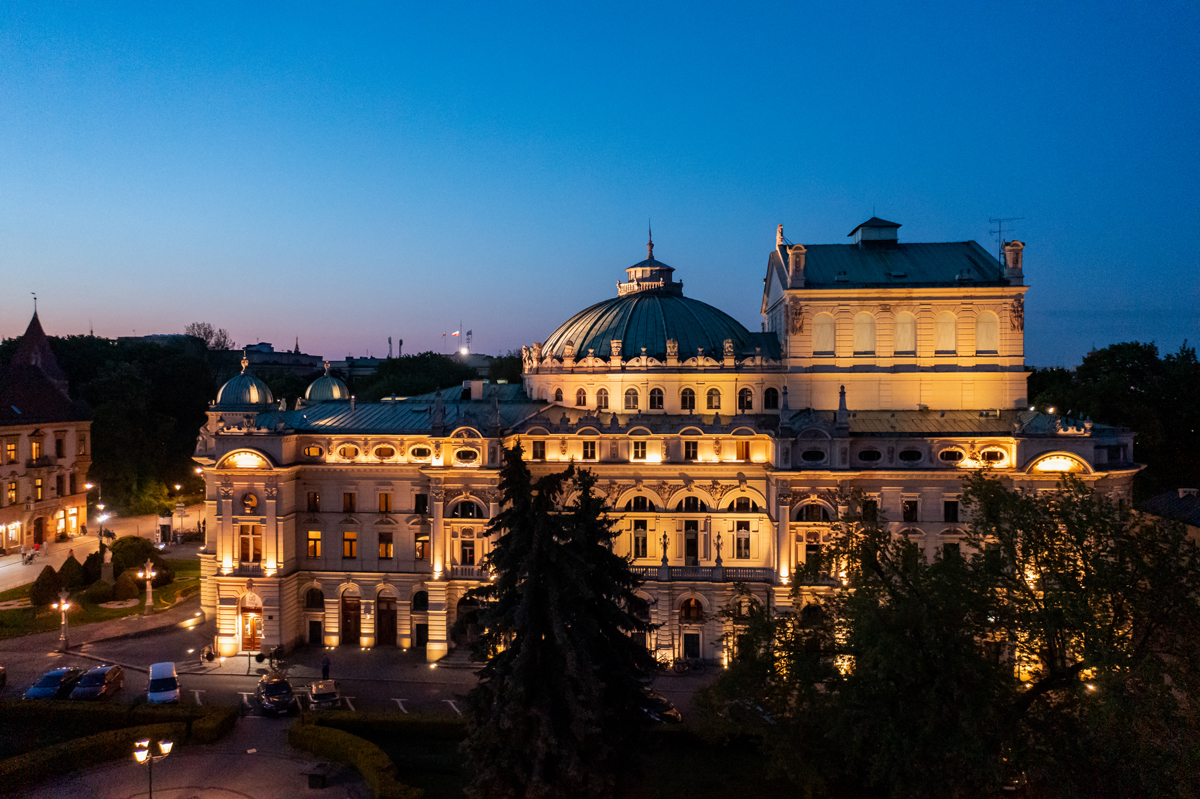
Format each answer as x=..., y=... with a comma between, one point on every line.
x=874, y=222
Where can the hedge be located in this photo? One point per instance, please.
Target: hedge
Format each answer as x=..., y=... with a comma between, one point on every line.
x=366, y=758
x=379, y=726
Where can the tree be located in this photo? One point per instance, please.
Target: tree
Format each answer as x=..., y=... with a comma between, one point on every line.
x=45, y=588
x=71, y=573
x=1061, y=649
x=214, y=339
x=564, y=681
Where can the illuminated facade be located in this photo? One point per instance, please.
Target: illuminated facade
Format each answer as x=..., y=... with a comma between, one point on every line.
x=883, y=367
x=45, y=446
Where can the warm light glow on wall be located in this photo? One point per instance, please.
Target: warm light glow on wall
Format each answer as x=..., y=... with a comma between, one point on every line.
x=246, y=460
x=1058, y=463
x=227, y=564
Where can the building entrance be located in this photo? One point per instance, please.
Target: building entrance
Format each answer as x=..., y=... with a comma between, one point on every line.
x=250, y=626
x=39, y=530
x=351, y=627
x=385, y=621
x=316, y=635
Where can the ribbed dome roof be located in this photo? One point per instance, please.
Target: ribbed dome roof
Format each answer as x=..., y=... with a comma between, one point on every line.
x=327, y=388
x=647, y=319
x=244, y=389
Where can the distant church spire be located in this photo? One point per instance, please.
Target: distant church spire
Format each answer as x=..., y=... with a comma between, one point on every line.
x=650, y=243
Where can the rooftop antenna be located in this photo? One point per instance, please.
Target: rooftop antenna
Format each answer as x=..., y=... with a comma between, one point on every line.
x=999, y=233
x=389, y=348
x=34, y=293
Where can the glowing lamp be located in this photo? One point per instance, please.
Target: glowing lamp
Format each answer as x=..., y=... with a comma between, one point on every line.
x=141, y=755
x=1058, y=463
x=165, y=746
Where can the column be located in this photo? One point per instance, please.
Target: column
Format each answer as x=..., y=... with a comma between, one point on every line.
x=439, y=638
x=437, y=536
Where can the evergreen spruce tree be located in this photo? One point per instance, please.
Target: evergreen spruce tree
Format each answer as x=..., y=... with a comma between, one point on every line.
x=561, y=693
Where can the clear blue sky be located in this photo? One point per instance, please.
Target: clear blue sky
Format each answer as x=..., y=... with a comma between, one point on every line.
x=343, y=173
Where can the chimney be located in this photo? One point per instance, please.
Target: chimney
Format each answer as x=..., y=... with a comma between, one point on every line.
x=1014, y=252
x=796, y=256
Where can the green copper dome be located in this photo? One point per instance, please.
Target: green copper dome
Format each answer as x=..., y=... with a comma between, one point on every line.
x=327, y=388
x=244, y=389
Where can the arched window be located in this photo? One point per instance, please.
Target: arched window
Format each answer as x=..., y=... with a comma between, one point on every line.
x=743, y=505
x=631, y=399
x=691, y=611
x=656, y=399
x=987, y=333
x=602, y=399
x=640, y=505
x=314, y=599
x=714, y=400
x=745, y=400
x=558, y=395
x=906, y=334
x=420, y=601
x=813, y=513
x=771, y=399
x=864, y=334
x=823, y=338
x=691, y=505
x=581, y=397
x=945, y=340
x=687, y=400
x=467, y=510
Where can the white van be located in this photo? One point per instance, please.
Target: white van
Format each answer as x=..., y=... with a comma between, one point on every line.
x=164, y=684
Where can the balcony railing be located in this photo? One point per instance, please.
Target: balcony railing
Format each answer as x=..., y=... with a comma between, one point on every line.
x=467, y=573
x=247, y=570
x=39, y=462
x=708, y=574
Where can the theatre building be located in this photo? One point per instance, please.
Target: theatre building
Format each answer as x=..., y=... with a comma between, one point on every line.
x=882, y=366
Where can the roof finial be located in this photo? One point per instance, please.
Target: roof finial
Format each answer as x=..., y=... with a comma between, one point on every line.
x=34, y=293
x=245, y=361
x=327, y=367
x=650, y=243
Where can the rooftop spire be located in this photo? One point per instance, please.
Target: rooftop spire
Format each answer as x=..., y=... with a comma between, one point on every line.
x=245, y=362
x=650, y=243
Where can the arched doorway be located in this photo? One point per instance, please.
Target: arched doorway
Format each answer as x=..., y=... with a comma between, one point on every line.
x=350, y=630
x=250, y=621
x=39, y=530
x=385, y=620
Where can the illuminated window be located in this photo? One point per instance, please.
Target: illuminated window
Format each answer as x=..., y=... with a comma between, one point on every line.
x=420, y=453
x=602, y=399
x=687, y=400
x=314, y=502
x=950, y=455
x=312, y=452
x=10, y=452
x=385, y=503
x=639, y=450
x=691, y=611
x=468, y=553
x=467, y=510
x=631, y=399
x=385, y=546
x=1058, y=463
x=742, y=551
x=691, y=450
x=714, y=399
x=349, y=544
x=558, y=395
x=348, y=452
x=745, y=400
x=539, y=450
x=385, y=453
x=589, y=450
x=37, y=490
x=656, y=399
x=771, y=399
x=246, y=460
x=250, y=543
x=639, y=538
x=11, y=493
x=314, y=543
x=421, y=548
x=349, y=501
x=743, y=450
x=35, y=449
x=581, y=397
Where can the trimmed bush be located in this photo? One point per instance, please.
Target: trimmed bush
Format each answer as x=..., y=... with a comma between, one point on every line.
x=366, y=758
x=131, y=552
x=71, y=573
x=45, y=588
x=99, y=592
x=92, y=566
x=128, y=586
x=213, y=725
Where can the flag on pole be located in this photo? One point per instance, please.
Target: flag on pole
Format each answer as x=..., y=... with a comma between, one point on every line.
x=455, y=333
x=468, y=334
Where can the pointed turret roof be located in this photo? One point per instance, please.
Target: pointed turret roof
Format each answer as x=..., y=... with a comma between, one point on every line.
x=33, y=389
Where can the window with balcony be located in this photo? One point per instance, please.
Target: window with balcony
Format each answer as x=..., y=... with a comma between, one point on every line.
x=468, y=553
x=742, y=534
x=250, y=543
x=35, y=449
x=314, y=543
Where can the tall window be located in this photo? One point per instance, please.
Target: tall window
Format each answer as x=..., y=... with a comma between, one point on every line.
x=906, y=334
x=12, y=492
x=73, y=486
x=602, y=399
x=631, y=399
x=771, y=399
x=468, y=553
x=420, y=601
x=987, y=333
x=589, y=450
x=35, y=449
x=823, y=334
x=687, y=399
x=656, y=399
x=743, y=541
x=385, y=503
x=945, y=340
x=59, y=485
x=314, y=502
x=420, y=503
x=950, y=511
x=639, y=450
x=691, y=450
x=640, y=535
x=349, y=544
x=250, y=543
x=539, y=450
x=314, y=543
x=349, y=500
x=581, y=397
x=691, y=610
x=714, y=399
x=908, y=510
x=10, y=452
x=60, y=447
x=870, y=511
x=864, y=334
x=385, y=546
x=743, y=450
x=692, y=505
x=745, y=400
x=639, y=504
x=421, y=547
x=558, y=395
x=37, y=490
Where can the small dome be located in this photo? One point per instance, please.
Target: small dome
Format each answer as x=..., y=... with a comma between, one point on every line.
x=327, y=388
x=244, y=389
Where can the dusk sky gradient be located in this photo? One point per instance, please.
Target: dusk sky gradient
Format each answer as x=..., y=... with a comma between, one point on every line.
x=343, y=172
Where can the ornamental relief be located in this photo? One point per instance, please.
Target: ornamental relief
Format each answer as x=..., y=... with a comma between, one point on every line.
x=718, y=491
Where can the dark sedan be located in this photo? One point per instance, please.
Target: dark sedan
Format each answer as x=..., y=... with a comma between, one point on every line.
x=99, y=682
x=660, y=710
x=275, y=695
x=55, y=684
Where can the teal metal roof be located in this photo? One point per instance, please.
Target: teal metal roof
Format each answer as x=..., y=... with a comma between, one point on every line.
x=327, y=388
x=847, y=265
x=244, y=390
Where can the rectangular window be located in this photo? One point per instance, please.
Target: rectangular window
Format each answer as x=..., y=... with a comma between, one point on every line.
x=950, y=511
x=908, y=509
x=385, y=546
x=35, y=449
x=870, y=511
x=314, y=502
x=314, y=543
x=639, y=450
x=743, y=450
x=589, y=450
x=640, y=535
x=60, y=448
x=421, y=503
x=468, y=553
x=691, y=450
x=349, y=500
x=743, y=541
x=421, y=550
x=812, y=558
x=59, y=485
x=951, y=551
x=539, y=450
x=12, y=492
x=37, y=490
x=10, y=452
x=385, y=504
x=250, y=540
x=349, y=544
x=73, y=484
x=82, y=448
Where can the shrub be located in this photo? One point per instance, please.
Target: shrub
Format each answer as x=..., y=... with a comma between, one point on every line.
x=45, y=588
x=213, y=725
x=131, y=552
x=127, y=586
x=71, y=573
x=99, y=592
x=366, y=758
x=92, y=566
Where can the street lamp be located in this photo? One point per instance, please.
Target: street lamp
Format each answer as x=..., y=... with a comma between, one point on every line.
x=63, y=604
x=147, y=573
x=144, y=756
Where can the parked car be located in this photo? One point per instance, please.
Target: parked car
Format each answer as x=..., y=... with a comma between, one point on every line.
x=164, y=684
x=99, y=682
x=275, y=694
x=660, y=710
x=324, y=694
x=54, y=684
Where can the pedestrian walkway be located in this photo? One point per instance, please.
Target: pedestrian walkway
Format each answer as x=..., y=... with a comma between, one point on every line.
x=252, y=762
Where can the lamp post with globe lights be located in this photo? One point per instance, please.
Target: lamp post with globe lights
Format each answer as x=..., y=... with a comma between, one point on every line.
x=143, y=755
x=63, y=605
x=148, y=574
